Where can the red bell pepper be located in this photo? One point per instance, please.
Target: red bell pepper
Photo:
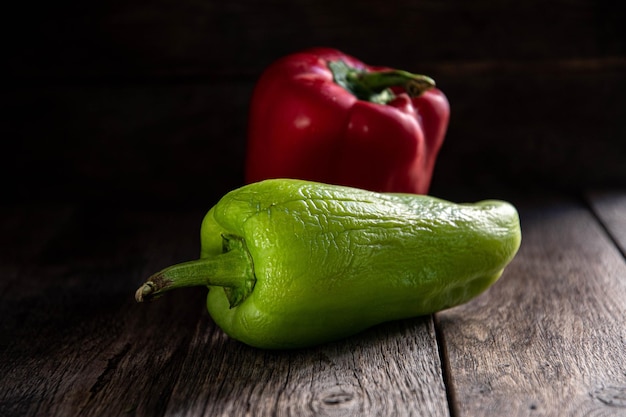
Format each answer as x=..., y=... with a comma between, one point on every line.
x=322, y=115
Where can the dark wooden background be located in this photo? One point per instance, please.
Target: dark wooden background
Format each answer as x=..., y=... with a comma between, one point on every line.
x=146, y=101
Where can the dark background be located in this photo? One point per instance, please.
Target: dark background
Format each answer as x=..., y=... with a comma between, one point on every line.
x=145, y=102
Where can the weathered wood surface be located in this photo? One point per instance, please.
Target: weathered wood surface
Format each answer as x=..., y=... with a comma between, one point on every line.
x=75, y=343
x=389, y=370
x=548, y=339
x=69, y=324
x=610, y=207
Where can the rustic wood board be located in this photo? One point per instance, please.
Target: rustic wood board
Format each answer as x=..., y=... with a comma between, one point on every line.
x=73, y=340
x=392, y=369
x=549, y=338
x=75, y=343
x=610, y=207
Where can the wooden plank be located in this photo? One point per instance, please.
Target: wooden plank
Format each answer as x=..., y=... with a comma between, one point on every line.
x=77, y=344
x=610, y=207
x=74, y=340
x=198, y=37
x=393, y=369
x=549, y=338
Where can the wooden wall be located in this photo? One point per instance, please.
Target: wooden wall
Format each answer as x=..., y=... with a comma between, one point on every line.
x=147, y=100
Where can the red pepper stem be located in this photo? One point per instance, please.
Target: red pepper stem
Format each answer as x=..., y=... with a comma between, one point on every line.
x=377, y=81
x=231, y=269
x=375, y=86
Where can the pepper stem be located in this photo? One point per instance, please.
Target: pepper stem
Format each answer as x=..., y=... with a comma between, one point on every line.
x=375, y=86
x=232, y=270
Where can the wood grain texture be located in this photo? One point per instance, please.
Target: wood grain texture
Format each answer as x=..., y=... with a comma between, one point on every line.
x=549, y=338
x=610, y=207
x=21, y=245
x=392, y=369
x=73, y=340
x=75, y=343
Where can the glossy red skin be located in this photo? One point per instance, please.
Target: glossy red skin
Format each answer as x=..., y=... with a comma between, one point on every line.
x=303, y=125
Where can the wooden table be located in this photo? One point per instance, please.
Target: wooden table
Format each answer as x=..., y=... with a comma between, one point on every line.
x=548, y=339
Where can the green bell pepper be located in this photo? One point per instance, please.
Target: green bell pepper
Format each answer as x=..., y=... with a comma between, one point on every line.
x=292, y=263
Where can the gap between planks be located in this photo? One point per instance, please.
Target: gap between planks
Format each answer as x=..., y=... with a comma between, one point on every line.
x=549, y=338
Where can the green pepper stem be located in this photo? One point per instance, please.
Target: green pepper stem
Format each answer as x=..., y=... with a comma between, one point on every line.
x=375, y=86
x=414, y=84
x=232, y=269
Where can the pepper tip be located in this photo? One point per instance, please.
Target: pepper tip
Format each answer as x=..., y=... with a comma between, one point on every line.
x=144, y=292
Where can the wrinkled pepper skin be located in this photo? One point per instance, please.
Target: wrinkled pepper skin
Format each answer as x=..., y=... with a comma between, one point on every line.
x=381, y=130
x=318, y=262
